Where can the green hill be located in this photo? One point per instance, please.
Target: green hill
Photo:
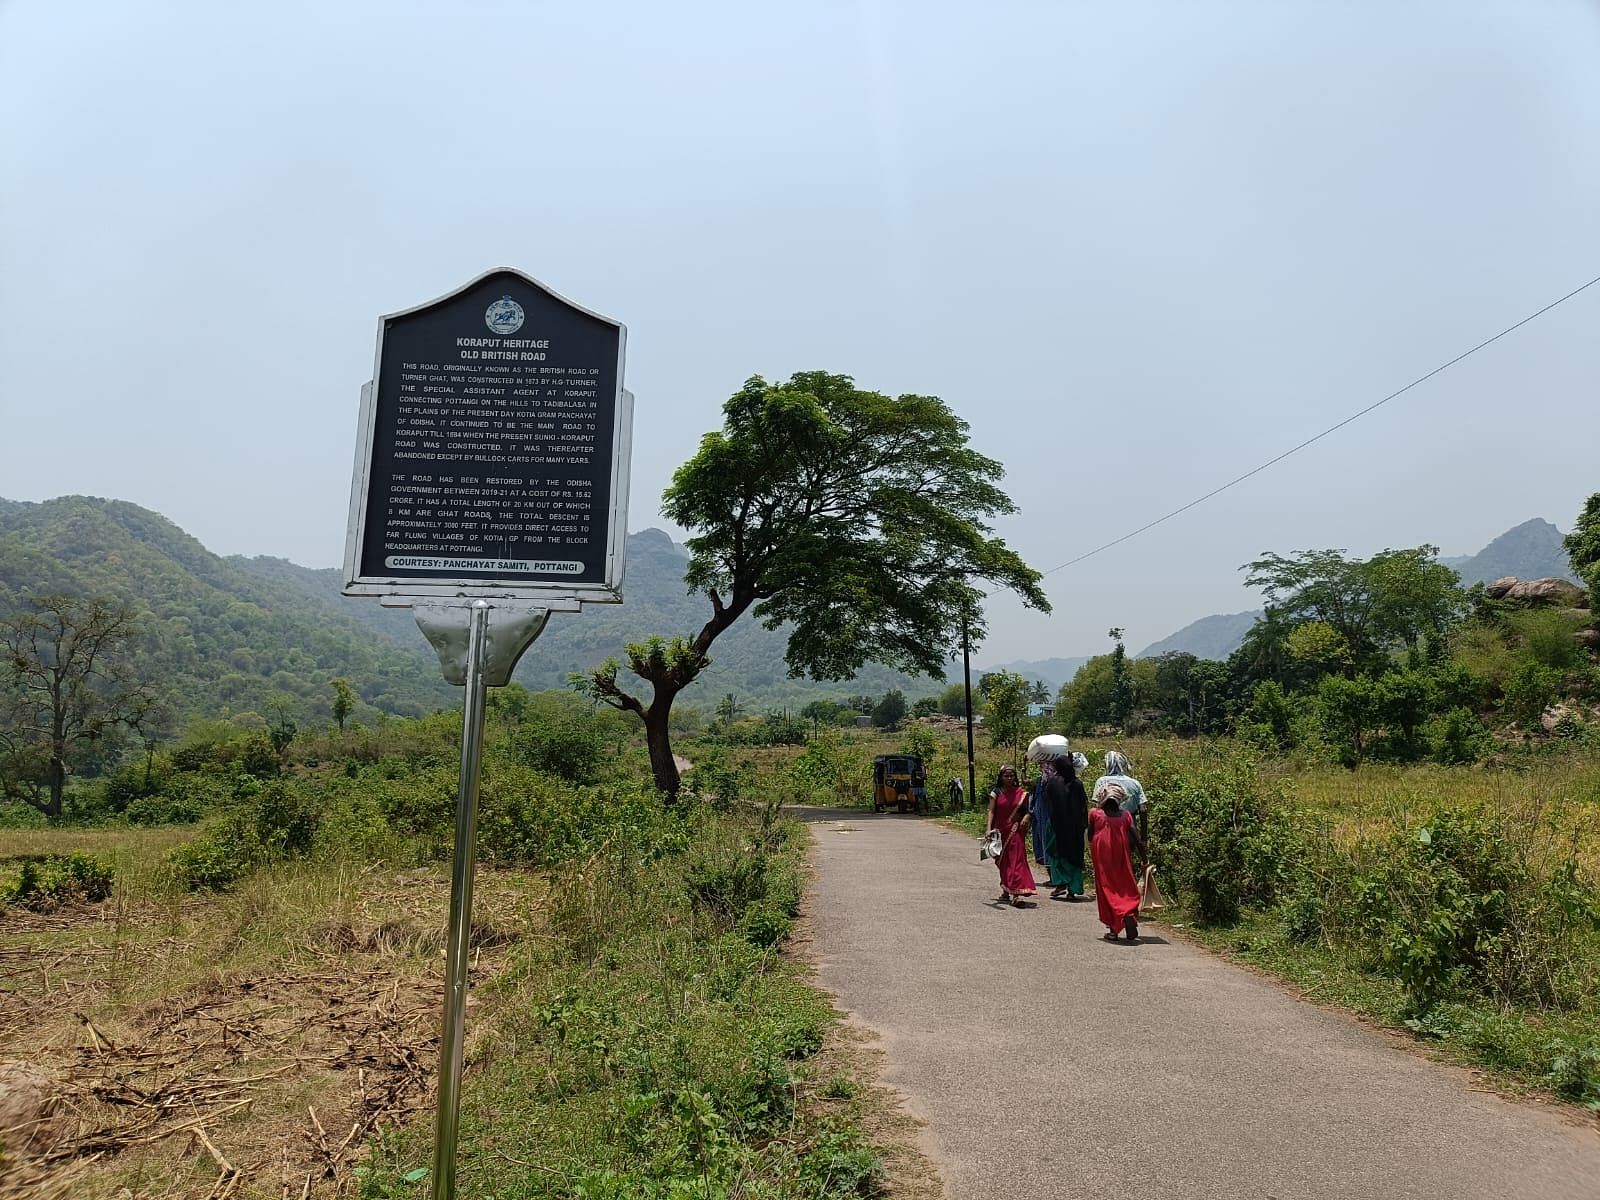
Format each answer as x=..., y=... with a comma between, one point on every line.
x=219, y=638
x=1532, y=550
x=224, y=634
x=747, y=660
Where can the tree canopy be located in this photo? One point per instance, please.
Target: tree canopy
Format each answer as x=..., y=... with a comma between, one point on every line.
x=1583, y=548
x=65, y=684
x=856, y=521
x=1393, y=599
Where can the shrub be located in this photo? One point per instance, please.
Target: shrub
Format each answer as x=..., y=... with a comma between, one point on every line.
x=724, y=880
x=164, y=810
x=1222, y=836
x=44, y=884
x=557, y=737
x=714, y=777
x=211, y=864
x=267, y=823
x=1529, y=690
x=1456, y=736
x=830, y=771
x=135, y=781
x=1575, y=1072
x=531, y=818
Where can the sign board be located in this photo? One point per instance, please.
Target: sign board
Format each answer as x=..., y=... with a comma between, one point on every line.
x=492, y=454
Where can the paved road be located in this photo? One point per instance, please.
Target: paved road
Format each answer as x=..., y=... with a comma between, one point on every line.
x=1008, y=1030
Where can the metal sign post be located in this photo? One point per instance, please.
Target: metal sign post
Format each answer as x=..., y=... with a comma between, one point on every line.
x=455, y=990
x=490, y=489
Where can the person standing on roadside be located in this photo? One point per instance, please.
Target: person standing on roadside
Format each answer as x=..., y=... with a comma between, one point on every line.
x=1008, y=813
x=1111, y=841
x=1120, y=772
x=1041, y=822
x=1066, y=819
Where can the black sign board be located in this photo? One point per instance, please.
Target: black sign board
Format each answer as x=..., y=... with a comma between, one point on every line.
x=494, y=446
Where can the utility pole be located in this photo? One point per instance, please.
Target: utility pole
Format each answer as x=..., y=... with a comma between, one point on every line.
x=966, y=675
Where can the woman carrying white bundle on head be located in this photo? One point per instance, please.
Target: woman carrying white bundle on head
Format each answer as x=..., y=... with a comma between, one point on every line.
x=1120, y=772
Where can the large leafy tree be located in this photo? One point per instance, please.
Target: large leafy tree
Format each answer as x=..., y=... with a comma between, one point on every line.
x=1392, y=600
x=65, y=684
x=1583, y=548
x=857, y=521
x=1007, y=715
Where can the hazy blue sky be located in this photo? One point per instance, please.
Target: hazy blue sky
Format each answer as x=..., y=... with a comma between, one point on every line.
x=1139, y=247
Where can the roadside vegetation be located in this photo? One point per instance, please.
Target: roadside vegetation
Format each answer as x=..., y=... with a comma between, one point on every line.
x=223, y=972
x=1389, y=796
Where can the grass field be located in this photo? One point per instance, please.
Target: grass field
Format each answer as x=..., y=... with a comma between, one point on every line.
x=632, y=1021
x=286, y=1022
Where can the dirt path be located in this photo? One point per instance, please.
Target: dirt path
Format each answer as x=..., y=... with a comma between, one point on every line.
x=1049, y=1063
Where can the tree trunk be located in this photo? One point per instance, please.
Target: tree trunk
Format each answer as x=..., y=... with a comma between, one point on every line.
x=58, y=786
x=662, y=764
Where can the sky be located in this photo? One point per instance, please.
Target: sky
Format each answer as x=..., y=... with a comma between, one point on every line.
x=1140, y=248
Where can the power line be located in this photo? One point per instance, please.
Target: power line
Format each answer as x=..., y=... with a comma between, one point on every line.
x=1331, y=429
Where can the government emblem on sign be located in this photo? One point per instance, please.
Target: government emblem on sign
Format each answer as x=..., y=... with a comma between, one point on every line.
x=504, y=316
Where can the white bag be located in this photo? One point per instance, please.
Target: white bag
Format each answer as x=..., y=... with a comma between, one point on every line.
x=990, y=846
x=1150, y=897
x=1047, y=745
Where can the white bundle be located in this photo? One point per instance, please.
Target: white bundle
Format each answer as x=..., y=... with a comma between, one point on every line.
x=1047, y=745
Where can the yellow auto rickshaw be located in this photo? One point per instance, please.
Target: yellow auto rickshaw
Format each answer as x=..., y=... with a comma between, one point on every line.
x=899, y=780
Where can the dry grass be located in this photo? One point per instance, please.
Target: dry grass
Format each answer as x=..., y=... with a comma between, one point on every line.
x=1560, y=795
x=227, y=1046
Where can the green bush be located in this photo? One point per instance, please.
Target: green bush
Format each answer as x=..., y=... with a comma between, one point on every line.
x=713, y=776
x=832, y=771
x=1454, y=908
x=1574, y=1072
x=44, y=884
x=136, y=781
x=267, y=823
x=1456, y=736
x=724, y=880
x=530, y=818
x=1223, y=839
x=1530, y=689
x=212, y=864
x=181, y=809
x=558, y=737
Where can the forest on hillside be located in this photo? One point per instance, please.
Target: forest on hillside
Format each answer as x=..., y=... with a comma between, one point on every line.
x=1387, y=657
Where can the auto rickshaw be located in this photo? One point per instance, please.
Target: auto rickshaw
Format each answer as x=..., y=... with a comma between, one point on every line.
x=901, y=781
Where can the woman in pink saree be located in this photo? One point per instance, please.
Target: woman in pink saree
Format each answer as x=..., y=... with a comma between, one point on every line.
x=1008, y=812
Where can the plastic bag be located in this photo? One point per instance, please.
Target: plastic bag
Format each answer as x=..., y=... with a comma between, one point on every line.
x=1150, y=897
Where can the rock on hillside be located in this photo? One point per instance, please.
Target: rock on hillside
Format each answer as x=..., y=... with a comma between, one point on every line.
x=1544, y=592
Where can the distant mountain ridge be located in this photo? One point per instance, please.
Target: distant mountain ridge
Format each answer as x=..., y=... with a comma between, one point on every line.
x=1532, y=550
x=746, y=660
x=217, y=638
x=228, y=634
x=1215, y=636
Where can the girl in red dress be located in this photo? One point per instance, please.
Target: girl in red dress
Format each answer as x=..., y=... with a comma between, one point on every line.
x=1111, y=834
x=1008, y=812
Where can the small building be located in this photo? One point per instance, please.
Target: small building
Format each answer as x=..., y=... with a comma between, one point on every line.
x=1038, y=709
